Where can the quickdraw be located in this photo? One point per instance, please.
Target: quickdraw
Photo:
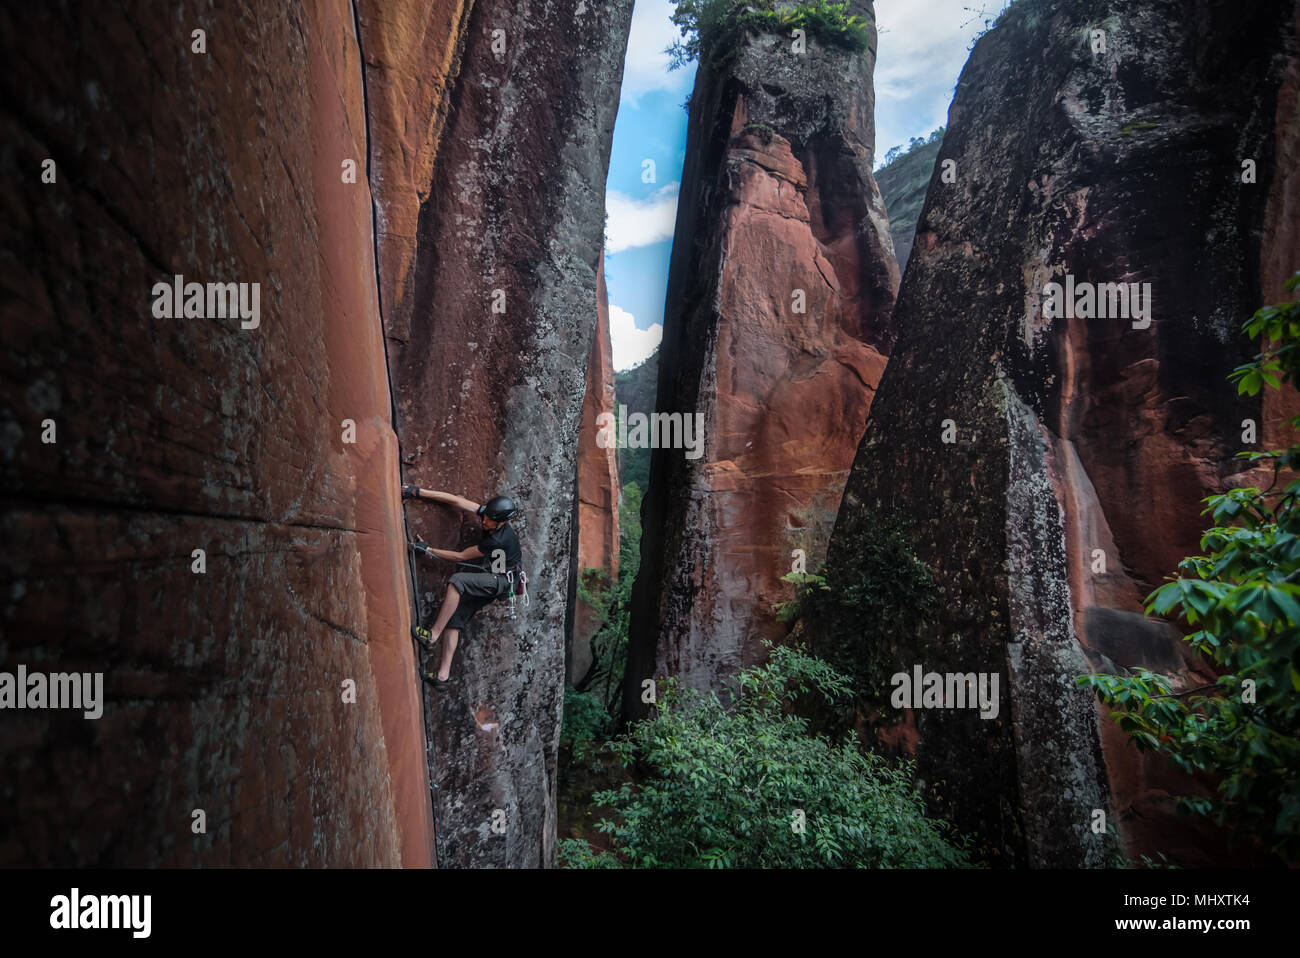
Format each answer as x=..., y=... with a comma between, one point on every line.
x=517, y=588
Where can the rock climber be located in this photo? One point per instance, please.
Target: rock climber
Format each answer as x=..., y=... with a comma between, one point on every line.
x=497, y=561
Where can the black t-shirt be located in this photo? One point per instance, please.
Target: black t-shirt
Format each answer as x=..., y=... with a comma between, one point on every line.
x=502, y=538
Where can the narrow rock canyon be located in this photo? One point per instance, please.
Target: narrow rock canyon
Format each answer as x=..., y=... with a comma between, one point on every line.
x=264, y=264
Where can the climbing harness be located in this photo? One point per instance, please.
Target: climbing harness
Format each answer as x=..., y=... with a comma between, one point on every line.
x=517, y=584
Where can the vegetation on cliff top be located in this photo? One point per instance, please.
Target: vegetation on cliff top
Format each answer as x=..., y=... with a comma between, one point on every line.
x=1243, y=601
x=715, y=27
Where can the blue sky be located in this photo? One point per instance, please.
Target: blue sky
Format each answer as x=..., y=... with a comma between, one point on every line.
x=923, y=46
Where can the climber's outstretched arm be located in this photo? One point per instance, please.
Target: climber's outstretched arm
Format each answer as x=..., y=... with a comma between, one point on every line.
x=447, y=498
x=463, y=556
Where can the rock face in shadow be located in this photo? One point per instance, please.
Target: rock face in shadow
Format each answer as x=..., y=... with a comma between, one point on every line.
x=781, y=290
x=489, y=304
x=598, y=489
x=1081, y=446
x=267, y=682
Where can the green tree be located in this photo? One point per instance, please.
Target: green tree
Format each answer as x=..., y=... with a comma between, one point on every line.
x=715, y=27
x=1242, y=601
x=585, y=722
x=612, y=603
x=747, y=786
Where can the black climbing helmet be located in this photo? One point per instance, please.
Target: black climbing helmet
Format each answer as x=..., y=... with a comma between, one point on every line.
x=498, y=508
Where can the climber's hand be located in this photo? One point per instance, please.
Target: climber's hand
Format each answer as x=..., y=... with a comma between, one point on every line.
x=411, y=492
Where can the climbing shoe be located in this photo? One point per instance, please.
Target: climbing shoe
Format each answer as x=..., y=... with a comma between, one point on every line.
x=424, y=637
x=410, y=492
x=432, y=679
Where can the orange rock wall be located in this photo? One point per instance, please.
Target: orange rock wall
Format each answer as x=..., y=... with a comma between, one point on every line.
x=489, y=182
x=228, y=691
x=779, y=320
x=598, y=486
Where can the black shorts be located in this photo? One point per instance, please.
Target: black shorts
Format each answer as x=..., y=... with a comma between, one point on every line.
x=476, y=590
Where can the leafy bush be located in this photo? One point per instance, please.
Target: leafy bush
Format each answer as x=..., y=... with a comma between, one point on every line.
x=575, y=853
x=585, y=721
x=914, y=144
x=1242, y=599
x=878, y=582
x=725, y=786
x=805, y=583
x=716, y=27
x=613, y=605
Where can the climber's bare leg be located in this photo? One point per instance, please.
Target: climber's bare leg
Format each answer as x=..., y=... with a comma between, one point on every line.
x=449, y=640
x=449, y=603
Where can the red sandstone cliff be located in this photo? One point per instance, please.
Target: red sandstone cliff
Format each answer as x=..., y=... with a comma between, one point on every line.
x=781, y=290
x=1077, y=440
x=489, y=303
x=225, y=690
x=380, y=189
x=598, y=488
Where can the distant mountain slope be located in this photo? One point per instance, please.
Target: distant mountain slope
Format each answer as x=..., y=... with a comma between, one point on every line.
x=903, y=184
x=635, y=389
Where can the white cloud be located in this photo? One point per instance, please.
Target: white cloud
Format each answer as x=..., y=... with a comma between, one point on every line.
x=631, y=345
x=646, y=67
x=923, y=47
x=634, y=222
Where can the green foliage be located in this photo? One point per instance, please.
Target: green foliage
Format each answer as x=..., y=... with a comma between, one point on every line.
x=575, y=853
x=716, y=27
x=1243, y=604
x=762, y=130
x=724, y=785
x=880, y=586
x=585, y=721
x=914, y=144
x=805, y=583
x=613, y=605
x=1278, y=328
x=827, y=20
x=634, y=461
